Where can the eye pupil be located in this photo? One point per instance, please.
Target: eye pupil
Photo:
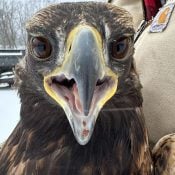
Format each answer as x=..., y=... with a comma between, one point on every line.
x=41, y=47
x=119, y=48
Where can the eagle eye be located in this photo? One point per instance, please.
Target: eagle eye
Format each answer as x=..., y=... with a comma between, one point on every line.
x=41, y=47
x=119, y=48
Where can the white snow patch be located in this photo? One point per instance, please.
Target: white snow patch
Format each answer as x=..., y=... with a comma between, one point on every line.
x=11, y=54
x=9, y=112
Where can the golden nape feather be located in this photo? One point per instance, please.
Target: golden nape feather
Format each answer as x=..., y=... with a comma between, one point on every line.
x=164, y=155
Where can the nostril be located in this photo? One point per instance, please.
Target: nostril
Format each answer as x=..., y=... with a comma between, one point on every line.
x=70, y=47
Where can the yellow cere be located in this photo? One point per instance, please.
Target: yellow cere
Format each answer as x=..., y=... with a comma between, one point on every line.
x=111, y=91
x=77, y=29
x=74, y=33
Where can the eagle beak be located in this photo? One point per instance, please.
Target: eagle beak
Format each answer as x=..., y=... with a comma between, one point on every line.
x=83, y=83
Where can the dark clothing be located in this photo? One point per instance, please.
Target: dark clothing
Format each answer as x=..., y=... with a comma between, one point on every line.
x=151, y=8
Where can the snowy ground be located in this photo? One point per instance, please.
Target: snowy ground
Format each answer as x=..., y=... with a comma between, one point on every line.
x=9, y=112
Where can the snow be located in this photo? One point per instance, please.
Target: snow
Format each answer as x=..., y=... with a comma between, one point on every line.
x=3, y=85
x=9, y=112
x=6, y=77
x=11, y=54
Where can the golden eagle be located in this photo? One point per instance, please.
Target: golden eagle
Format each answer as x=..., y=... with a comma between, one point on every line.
x=81, y=105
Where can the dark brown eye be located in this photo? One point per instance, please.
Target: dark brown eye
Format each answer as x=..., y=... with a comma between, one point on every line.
x=119, y=48
x=41, y=47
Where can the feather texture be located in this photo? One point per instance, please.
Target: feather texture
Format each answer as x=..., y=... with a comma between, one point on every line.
x=43, y=143
x=163, y=155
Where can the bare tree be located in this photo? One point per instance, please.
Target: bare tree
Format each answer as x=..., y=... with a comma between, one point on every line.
x=13, y=16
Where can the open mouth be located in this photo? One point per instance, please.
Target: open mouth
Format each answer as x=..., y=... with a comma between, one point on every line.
x=67, y=89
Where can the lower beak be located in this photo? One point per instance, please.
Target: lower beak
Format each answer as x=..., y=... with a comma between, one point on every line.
x=83, y=84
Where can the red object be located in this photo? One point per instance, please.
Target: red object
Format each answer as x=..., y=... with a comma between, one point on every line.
x=151, y=8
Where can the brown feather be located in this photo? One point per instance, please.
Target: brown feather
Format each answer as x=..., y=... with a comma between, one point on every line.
x=164, y=155
x=43, y=143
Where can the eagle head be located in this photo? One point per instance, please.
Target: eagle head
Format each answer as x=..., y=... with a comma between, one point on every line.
x=79, y=56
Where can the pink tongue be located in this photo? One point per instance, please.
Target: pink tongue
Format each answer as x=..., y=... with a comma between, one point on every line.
x=77, y=98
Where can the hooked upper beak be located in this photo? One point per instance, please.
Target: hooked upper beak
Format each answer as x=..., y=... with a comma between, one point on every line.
x=83, y=83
